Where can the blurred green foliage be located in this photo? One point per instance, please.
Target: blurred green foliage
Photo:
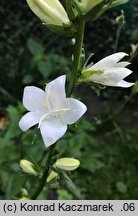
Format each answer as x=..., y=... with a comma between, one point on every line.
x=31, y=55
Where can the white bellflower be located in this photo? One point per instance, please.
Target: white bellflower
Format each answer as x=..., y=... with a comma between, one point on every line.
x=51, y=110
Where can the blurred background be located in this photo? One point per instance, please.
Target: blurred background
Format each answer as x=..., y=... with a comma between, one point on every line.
x=105, y=142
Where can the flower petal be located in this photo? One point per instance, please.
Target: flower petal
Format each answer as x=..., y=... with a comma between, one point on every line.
x=52, y=129
x=34, y=98
x=122, y=64
x=76, y=110
x=55, y=91
x=29, y=119
x=109, y=61
x=111, y=76
x=124, y=84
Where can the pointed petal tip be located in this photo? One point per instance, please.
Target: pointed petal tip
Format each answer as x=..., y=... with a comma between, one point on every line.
x=52, y=130
x=124, y=84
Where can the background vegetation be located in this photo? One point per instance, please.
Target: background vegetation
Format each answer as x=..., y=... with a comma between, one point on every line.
x=106, y=142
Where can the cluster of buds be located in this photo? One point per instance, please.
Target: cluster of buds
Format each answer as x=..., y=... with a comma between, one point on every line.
x=53, y=14
x=66, y=164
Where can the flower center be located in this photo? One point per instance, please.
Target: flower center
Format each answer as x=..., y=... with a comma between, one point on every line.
x=55, y=112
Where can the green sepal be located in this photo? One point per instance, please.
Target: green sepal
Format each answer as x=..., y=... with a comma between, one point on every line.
x=102, y=7
x=115, y=3
x=87, y=74
x=62, y=30
x=71, y=11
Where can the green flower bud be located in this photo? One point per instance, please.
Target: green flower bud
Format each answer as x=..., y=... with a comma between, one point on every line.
x=84, y=6
x=93, y=9
x=51, y=176
x=25, y=198
x=24, y=192
x=28, y=167
x=120, y=20
x=67, y=164
x=51, y=12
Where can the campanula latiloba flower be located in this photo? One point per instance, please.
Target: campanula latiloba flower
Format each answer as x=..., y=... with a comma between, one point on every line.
x=108, y=71
x=50, y=109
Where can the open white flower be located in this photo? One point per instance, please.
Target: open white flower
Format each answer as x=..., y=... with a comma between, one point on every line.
x=50, y=109
x=109, y=71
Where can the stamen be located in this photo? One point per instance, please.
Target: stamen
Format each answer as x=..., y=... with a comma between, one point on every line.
x=42, y=119
x=60, y=110
x=55, y=112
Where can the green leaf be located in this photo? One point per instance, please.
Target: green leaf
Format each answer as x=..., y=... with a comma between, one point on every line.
x=102, y=7
x=121, y=187
x=13, y=129
x=45, y=68
x=135, y=88
x=34, y=47
x=69, y=184
x=91, y=162
x=14, y=185
x=64, y=195
x=117, y=2
x=28, y=78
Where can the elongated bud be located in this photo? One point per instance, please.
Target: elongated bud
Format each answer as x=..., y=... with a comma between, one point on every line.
x=28, y=167
x=25, y=198
x=52, y=176
x=120, y=20
x=93, y=9
x=84, y=6
x=67, y=164
x=24, y=194
x=51, y=12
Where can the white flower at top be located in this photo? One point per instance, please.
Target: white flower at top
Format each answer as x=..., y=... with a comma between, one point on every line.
x=109, y=71
x=50, y=109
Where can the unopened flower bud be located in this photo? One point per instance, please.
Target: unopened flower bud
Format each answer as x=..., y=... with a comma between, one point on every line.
x=24, y=192
x=28, y=167
x=51, y=12
x=84, y=6
x=25, y=198
x=51, y=176
x=67, y=164
x=92, y=9
x=120, y=20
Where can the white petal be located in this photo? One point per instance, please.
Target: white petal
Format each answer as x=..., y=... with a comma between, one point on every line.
x=34, y=98
x=52, y=129
x=109, y=61
x=76, y=110
x=111, y=77
x=29, y=119
x=55, y=91
x=122, y=64
x=118, y=73
x=124, y=84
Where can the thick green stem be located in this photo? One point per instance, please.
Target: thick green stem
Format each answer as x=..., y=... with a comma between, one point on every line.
x=45, y=174
x=77, y=54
